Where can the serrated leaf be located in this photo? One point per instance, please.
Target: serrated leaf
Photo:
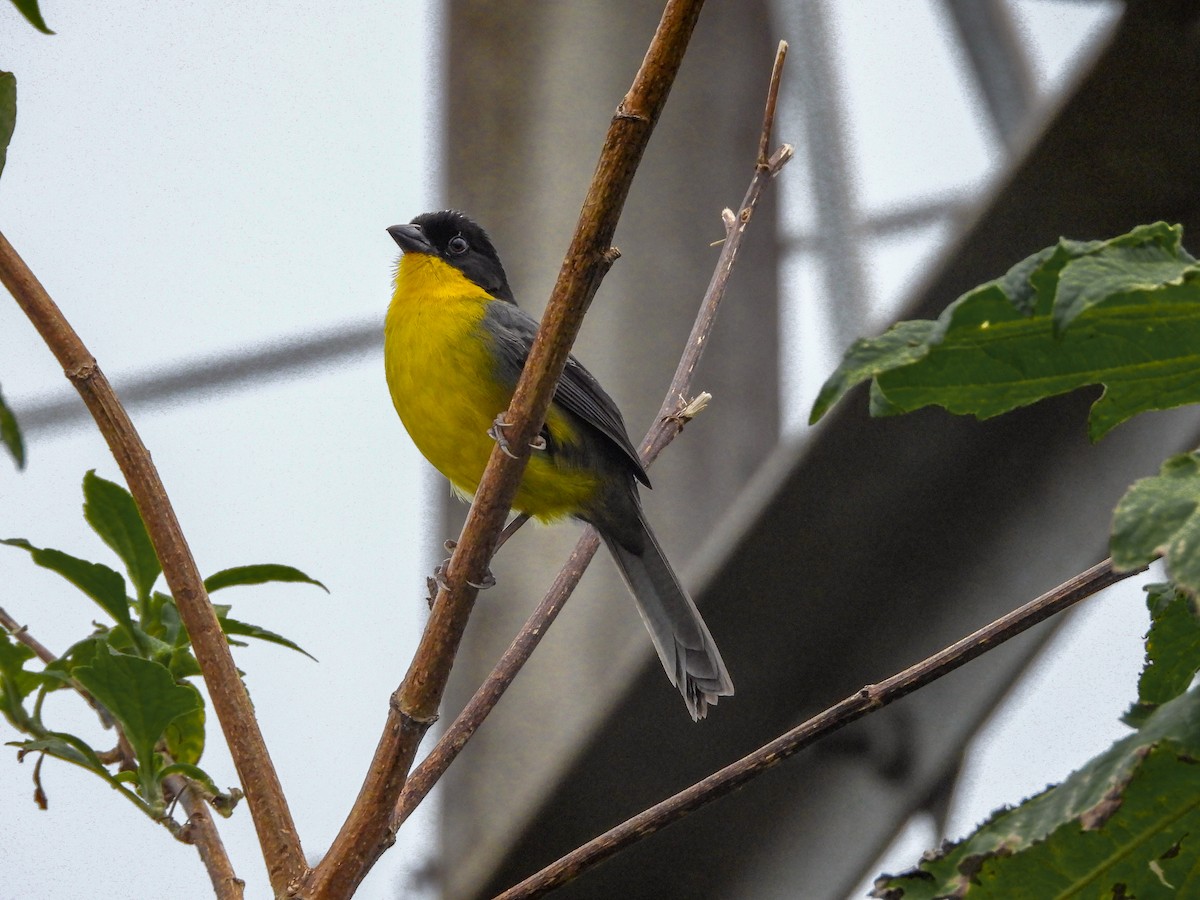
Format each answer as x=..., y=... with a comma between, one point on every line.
x=8, y=113
x=113, y=514
x=96, y=580
x=1160, y=516
x=185, y=734
x=258, y=574
x=1123, y=313
x=1113, y=821
x=29, y=9
x=1172, y=651
x=10, y=431
x=245, y=629
x=145, y=699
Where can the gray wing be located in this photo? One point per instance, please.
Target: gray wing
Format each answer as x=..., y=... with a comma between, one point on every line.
x=577, y=391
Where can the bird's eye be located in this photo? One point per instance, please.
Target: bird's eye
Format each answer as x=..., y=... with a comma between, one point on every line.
x=458, y=244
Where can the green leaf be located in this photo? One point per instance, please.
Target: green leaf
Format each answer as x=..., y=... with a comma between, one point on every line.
x=13, y=656
x=185, y=734
x=1129, y=817
x=10, y=432
x=1172, y=651
x=72, y=749
x=172, y=626
x=245, y=629
x=17, y=682
x=29, y=9
x=113, y=515
x=68, y=748
x=183, y=664
x=1148, y=258
x=1159, y=516
x=195, y=773
x=81, y=653
x=218, y=800
x=902, y=344
x=145, y=699
x=260, y=574
x=98, y=581
x=8, y=113
x=1123, y=313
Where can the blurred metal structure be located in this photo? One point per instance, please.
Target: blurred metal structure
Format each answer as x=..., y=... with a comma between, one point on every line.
x=874, y=543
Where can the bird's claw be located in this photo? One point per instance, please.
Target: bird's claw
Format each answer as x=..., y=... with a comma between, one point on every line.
x=438, y=581
x=489, y=580
x=496, y=433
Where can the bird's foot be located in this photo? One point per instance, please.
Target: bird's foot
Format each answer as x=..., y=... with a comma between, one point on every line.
x=496, y=433
x=438, y=581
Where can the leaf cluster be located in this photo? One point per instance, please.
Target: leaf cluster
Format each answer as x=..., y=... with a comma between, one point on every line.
x=135, y=668
x=1122, y=313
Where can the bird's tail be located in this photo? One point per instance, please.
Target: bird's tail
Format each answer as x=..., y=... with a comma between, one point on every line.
x=684, y=645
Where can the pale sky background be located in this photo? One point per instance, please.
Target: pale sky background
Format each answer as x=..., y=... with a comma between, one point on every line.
x=188, y=180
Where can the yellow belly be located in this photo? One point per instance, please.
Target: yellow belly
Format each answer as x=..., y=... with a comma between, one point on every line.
x=441, y=377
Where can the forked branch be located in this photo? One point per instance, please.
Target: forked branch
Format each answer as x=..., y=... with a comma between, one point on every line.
x=272, y=819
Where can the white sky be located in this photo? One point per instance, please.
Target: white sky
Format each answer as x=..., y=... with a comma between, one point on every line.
x=188, y=179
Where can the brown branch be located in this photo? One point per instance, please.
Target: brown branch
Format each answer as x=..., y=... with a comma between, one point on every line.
x=854, y=707
x=366, y=835
x=200, y=831
x=670, y=421
x=272, y=819
x=21, y=633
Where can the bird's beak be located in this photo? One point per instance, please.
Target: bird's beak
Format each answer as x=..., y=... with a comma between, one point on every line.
x=411, y=239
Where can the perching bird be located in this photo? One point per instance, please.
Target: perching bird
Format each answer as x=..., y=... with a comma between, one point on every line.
x=454, y=346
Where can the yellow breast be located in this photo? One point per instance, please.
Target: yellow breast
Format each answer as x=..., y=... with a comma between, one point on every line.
x=442, y=380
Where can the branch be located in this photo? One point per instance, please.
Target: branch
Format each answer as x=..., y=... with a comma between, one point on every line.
x=200, y=831
x=867, y=700
x=272, y=819
x=672, y=416
x=21, y=633
x=413, y=708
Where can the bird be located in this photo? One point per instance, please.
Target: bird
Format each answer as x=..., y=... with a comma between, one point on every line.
x=455, y=343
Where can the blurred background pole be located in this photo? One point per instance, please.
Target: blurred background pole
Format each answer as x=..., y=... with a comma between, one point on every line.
x=530, y=90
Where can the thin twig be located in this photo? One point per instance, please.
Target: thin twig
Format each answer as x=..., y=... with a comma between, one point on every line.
x=272, y=819
x=672, y=416
x=201, y=830
x=854, y=707
x=21, y=633
x=366, y=834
